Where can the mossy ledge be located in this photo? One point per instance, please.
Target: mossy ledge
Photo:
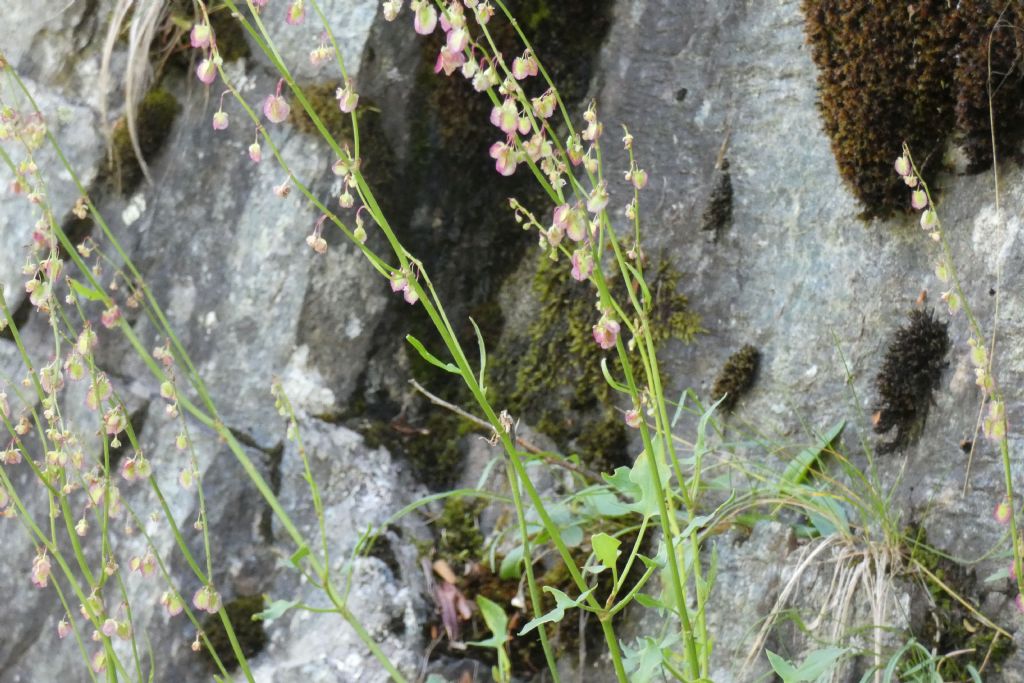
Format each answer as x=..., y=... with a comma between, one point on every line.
x=153, y=121
x=890, y=72
x=569, y=400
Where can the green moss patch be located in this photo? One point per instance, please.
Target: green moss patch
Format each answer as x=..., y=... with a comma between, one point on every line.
x=891, y=72
x=552, y=374
x=252, y=638
x=948, y=626
x=153, y=122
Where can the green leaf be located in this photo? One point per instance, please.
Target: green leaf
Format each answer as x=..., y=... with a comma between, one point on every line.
x=512, y=564
x=699, y=449
x=497, y=622
x=429, y=357
x=814, y=665
x=998, y=575
x=562, y=603
x=640, y=474
x=785, y=670
x=614, y=384
x=572, y=536
x=834, y=523
x=274, y=610
x=606, y=548
x=598, y=501
x=649, y=601
x=643, y=662
x=483, y=353
x=298, y=556
x=86, y=292
x=797, y=469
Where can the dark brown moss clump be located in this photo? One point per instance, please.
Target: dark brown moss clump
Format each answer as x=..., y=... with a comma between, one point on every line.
x=891, y=72
x=718, y=213
x=153, y=121
x=910, y=373
x=736, y=376
x=251, y=636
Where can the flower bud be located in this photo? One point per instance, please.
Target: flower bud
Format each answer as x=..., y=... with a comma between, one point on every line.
x=206, y=71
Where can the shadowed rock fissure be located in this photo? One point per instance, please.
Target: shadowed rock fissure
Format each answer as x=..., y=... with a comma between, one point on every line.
x=449, y=207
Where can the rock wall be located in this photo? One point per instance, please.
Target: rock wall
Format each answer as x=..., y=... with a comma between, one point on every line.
x=787, y=266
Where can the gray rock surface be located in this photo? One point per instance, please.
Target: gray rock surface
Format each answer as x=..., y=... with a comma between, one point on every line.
x=796, y=273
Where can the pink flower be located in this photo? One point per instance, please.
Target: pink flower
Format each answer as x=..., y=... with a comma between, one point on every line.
x=220, y=120
x=524, y=66
x=63, y=628
x=347, y=99
x=391, y=9
x=206, y=599
x=484, y=12
x=638, y=177
x=561, y=218
x=206, y=71
x=449, y=60
x=506, y=116
x=426, y=17
x=110, y=316
x=255, y=152
x=918, y=199
x=276, y=107
x=504, y=155
x=1002, y=513
x=902, y=165
x=172, y=602
x=606, y=332
x=576, y=229
x=114, y=421
x=296, y=13
x=41, y=570
x=598, y=198
x=200, y=35
x=582, y=265
x=633, y=418
x=544, y=106
x=457, y=40
x=321, y=54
